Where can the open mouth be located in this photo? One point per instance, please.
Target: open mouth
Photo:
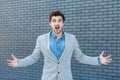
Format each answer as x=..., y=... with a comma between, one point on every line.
x=57, y=27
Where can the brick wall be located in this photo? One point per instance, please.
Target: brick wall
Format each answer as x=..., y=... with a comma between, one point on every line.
x=94, y=22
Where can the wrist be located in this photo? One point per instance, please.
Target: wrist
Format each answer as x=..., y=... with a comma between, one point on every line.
x=99, y=61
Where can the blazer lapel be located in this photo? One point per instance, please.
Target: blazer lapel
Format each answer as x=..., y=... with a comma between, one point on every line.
x=66, y=47
x=48, y=46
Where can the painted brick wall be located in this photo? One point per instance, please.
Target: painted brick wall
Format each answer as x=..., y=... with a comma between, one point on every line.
x=96, y=24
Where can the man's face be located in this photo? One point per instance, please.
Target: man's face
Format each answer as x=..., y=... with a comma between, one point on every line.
x=56, y=24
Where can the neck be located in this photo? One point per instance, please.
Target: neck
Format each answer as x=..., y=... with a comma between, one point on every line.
x=59, y=35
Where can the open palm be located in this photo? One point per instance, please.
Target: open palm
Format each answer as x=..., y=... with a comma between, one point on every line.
x=13, y=63
x=105, y=60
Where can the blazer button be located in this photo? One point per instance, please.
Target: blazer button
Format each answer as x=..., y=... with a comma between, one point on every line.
x=58, y=72
x=58, y=62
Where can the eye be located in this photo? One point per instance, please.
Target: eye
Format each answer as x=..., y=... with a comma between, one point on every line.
x=53, y=20
x=60, y=20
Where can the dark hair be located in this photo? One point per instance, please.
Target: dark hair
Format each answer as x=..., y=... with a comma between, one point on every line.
x=56, y=13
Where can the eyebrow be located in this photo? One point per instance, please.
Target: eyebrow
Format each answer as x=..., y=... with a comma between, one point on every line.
x=58, y=19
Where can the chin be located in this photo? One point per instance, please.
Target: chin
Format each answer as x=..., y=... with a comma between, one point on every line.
x=58, y=32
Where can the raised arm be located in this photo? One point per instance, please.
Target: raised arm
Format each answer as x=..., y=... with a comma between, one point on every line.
x=82, y=58
x=27, y=60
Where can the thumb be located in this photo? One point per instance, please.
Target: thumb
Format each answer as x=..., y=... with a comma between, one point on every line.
x=13, y=56
x=102, y=53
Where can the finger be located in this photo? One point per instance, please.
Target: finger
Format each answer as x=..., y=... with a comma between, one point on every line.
x=108, y=56
x=9, y=61
x=110, y=59
x=9, y=64
x=105, y=63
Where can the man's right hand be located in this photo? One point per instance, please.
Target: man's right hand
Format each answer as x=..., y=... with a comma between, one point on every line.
x=13, y=63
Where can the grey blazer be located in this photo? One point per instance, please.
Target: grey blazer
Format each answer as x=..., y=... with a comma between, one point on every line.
x=54, y=69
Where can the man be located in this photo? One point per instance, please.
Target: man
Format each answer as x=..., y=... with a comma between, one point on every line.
x=57, y=47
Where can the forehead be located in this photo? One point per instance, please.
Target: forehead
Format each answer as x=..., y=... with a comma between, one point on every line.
x=56, y=17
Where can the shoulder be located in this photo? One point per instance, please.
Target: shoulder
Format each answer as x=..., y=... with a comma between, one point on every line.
x=69, y=35
x=43, y=36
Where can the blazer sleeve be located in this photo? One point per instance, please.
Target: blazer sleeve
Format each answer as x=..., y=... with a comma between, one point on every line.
x=82, y=58
x=33, y=57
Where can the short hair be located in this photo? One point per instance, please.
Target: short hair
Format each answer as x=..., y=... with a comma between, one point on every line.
x=56, y=13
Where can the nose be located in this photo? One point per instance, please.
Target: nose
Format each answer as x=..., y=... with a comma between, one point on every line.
x=56, y=23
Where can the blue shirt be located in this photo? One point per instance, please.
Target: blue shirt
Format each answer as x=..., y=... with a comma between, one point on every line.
x=57, y=46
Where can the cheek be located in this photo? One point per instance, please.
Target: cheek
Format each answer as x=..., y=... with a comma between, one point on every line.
x=61, y=25
x=52, y=26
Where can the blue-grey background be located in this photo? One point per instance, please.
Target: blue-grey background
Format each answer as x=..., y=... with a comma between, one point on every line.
x=96, y=24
